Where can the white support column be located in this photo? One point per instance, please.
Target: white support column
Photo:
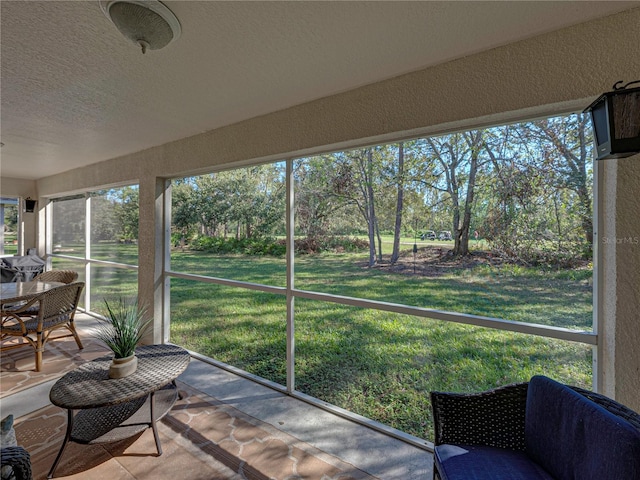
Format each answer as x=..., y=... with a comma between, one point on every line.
x=290, y=227
x=151, y=254
x=87, y=253
x=604, y=302
x=166, y=249
x=2, y=228
x=598, y=311
x=45, y=233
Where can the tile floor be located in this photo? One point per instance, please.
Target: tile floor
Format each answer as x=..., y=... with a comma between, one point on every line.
x=226, y=427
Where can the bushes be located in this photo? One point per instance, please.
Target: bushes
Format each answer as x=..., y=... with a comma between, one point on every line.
x=543, y=253
x=244, y=246
x=330, y=244
x=277, y=247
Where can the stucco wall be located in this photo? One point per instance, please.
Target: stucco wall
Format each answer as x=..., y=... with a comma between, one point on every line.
x=619, y=277
x=554, y=73
x=627, y=294
x=605, y=278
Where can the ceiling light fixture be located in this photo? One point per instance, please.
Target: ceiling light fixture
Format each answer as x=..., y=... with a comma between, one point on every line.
x=147, y=23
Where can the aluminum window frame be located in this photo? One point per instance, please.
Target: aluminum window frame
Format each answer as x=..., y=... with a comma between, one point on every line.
x=86, y=260
x=587, y=337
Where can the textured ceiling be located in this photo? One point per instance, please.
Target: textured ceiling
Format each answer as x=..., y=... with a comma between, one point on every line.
x=75, y=92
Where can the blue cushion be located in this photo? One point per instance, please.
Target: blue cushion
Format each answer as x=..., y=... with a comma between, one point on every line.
x=473, y=462
x=574, y=438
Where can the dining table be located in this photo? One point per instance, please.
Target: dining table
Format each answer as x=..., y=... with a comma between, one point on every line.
x=16, y=292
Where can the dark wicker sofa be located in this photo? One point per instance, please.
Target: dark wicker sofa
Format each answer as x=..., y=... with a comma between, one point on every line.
x=538, y=430
x=16, y=463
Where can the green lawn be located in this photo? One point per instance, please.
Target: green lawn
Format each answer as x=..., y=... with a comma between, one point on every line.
x=107, y=282
x=10, y=244
x=378, y=364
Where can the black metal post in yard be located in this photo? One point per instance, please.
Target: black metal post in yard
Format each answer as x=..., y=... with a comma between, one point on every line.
x=415, y=251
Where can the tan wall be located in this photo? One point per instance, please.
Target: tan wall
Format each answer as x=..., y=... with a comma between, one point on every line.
x=619, y=277
x=627, y=292
x=554, y=73
x=13, y=187
x=605, y=278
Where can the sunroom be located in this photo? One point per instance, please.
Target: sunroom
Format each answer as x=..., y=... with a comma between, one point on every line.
x=258, y=92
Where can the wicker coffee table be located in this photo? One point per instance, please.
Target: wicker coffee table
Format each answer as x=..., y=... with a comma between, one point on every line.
x=112, y=409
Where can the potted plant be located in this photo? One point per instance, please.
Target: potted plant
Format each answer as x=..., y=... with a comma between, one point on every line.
x=121, y=330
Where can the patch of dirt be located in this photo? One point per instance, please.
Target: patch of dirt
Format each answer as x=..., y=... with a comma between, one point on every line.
x=437, y=261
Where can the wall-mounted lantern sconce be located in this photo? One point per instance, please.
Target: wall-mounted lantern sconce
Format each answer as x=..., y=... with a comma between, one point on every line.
x=616, y=121
x=30, y=205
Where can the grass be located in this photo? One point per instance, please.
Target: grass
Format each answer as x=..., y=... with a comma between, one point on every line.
x=10, y=244
x=520, y=294
x=107, y=282
x=378, y=364
x=406, y=242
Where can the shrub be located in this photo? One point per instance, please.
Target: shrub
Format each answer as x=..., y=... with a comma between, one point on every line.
x=278, y=248
x=245, y=246
x=334, y=244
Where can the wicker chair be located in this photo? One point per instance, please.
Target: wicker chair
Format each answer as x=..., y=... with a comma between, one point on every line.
x=19, y=462
x=62, y=276
x=56, y=310
x=496, y=418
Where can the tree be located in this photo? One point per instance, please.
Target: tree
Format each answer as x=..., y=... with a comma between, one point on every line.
x=567, y=144
x=324, y=189
x=68, y=220
x=516, y=215
x=366, y=174
x=538, y=189
x=400, y=182
x=104, y=225
x=126, y=212
x=183, y=213
x=455, y=160
x=248, y=202
x=263, y=213
x=11, y=217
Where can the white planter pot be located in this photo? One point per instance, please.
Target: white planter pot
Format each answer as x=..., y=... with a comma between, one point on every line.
x=123, y=367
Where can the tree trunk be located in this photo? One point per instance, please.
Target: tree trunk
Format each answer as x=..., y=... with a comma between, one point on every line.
x=379, y=259
x=371, y=210
x=583, y=191
x=461, y=246
x=399, y=205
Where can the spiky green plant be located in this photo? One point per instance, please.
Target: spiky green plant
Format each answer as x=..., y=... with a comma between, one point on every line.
x=124, y=327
